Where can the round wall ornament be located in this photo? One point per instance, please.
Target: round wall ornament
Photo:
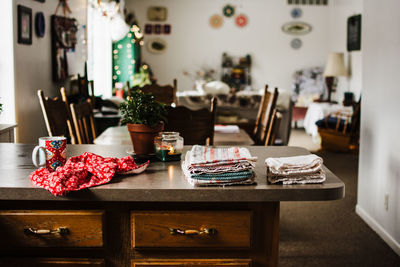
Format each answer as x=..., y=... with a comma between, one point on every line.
x=296, y=43
x=241, y=20
x=40, y=24
x=156, y=46
x=296, y=28
x=228, y=10
x=296, y=13
x=216, y=21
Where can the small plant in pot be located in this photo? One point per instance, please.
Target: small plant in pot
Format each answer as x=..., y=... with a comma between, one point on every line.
x=145, y=118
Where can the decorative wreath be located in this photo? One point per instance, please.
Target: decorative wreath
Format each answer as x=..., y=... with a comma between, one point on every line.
x=241, y=20
x=216, y=21
x=228, y=11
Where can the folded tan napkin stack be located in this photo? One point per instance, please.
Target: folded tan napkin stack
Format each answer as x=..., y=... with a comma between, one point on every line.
x=295, y=170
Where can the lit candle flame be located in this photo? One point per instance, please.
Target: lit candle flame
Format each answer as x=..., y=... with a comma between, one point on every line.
x=171, y=150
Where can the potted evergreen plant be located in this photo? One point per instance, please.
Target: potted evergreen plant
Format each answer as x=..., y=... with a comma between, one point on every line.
x=145, y=118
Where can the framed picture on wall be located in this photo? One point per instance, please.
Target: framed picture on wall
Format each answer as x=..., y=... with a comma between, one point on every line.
x=354, y=33
x=24, y=25
x=63, y=38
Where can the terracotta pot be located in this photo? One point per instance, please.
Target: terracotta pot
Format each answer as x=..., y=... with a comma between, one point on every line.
x=142, y=137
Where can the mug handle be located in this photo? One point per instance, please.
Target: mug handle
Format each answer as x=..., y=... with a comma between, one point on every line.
x=35, y=156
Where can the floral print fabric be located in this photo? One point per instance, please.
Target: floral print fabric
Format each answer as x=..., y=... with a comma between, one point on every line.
x=84, y=171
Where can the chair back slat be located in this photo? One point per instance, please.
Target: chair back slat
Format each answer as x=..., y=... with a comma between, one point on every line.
x=261, y=112
x=70, y=121
x=85, y=127
x=195, y=126
x=273, y=128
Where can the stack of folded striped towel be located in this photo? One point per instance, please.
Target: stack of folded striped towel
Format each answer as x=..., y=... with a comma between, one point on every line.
x=295, y=170
x=204, y=166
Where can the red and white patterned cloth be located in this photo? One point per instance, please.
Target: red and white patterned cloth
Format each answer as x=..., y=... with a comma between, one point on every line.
x=205, y=156
x=84, y=171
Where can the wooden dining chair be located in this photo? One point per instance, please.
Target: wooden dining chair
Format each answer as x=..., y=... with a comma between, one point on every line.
x=56, y=117
x=85, y=127
x=266, y=110
x=65, y=100
x=273, y=128
x=261, y=114
x=195, y=126
x=340, y=132
x=164, y=94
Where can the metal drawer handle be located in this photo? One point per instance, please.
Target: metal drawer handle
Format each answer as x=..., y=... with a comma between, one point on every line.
x=204, y=231
x=59, y=230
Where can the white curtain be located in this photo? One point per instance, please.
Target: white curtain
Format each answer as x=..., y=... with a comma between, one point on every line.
x=102, y=31
x=99, y=52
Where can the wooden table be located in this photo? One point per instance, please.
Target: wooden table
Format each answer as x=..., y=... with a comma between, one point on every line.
x=7, y=133
x=104, y=121
x=119, y=135
x=127, y=221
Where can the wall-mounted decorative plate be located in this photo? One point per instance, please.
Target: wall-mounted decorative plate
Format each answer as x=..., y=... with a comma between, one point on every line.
x=296, y=43
x=157, y=13
x=40, y=24
x=296, y=13
x=228, y=11
x=156, y=46
x=296, y=28
x=241, y=20
x=216, y=21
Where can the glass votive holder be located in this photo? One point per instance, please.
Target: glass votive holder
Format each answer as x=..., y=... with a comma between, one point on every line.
x=168, y=146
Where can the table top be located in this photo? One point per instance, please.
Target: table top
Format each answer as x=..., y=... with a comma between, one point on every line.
x=100, y=115
x=161, y=182
x=7, y=127
x=119, y=135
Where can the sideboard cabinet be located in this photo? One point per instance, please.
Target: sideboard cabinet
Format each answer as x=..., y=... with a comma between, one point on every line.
x=138, y=234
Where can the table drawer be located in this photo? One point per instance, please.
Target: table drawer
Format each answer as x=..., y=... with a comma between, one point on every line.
x=43, y=228
x=192, y=262
x=224, y=229
x=51, y=262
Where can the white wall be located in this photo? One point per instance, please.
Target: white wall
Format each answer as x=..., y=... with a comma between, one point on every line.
x=379, y=167
x=339, y=11
x=7, y=63
x=33, y=71
x=193, y=44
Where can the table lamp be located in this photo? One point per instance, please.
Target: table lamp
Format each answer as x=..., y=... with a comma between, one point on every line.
x=334, y=68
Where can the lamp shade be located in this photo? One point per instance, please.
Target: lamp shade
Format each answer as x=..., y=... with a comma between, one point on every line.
x=335, y=65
